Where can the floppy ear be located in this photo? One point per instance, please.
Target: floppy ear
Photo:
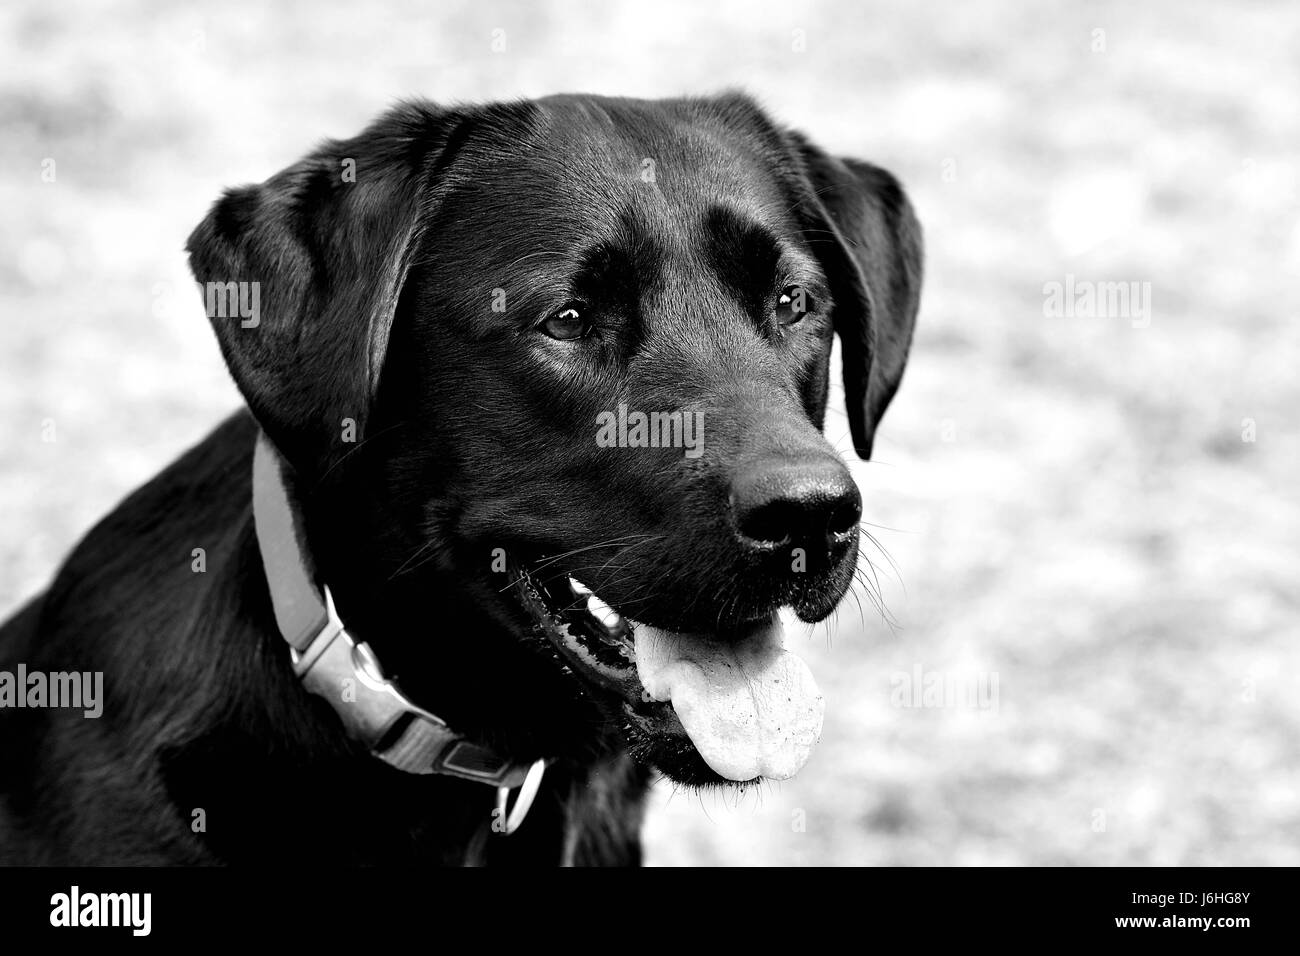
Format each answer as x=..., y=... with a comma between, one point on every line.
x=866, y=234
x=301, y=276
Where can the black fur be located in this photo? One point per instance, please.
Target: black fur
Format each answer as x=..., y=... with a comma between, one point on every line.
x=473, y=431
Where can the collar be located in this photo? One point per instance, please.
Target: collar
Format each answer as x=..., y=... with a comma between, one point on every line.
x=344, y=671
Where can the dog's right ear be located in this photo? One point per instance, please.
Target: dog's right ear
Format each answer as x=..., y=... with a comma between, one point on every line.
x=301, y=277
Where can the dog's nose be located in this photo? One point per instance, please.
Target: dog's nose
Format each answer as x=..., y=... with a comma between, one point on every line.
x=784, y=503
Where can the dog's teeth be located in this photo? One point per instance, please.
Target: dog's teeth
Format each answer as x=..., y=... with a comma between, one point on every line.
x=603, y=612
x=596, y=607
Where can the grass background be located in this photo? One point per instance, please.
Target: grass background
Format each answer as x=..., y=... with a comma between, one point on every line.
x=1073, y=506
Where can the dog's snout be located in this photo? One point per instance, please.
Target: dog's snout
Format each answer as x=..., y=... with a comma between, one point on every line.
x=784, y=503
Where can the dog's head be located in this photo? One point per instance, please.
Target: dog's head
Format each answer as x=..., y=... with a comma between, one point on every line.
x=568, y=359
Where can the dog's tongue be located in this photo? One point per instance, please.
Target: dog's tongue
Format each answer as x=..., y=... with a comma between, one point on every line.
x=751, y=708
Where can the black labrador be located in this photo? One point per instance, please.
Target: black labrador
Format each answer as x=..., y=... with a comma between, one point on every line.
x=535, y=392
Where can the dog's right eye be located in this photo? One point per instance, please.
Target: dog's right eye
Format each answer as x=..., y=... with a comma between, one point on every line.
x=795, y=303
x=566, y=325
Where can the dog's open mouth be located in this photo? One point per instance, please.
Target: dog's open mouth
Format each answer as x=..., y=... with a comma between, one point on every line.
x=748, y=707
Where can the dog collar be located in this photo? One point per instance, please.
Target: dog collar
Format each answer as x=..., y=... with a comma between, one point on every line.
x=344, y=671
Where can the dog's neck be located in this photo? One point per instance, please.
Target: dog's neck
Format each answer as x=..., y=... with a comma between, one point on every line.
x=461, y=668
x=347, y=673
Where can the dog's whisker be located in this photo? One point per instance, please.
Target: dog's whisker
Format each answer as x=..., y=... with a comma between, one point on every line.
x=875, y=578
x=364, y=443
x=648, y=540
x=884, y=527
x=555, y=559
x=620, y=571
x=407, y=563
x=876, y=598
x=611, y=542
x=875, y=542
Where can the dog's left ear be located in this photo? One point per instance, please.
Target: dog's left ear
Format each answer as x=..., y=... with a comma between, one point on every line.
x=864, y=231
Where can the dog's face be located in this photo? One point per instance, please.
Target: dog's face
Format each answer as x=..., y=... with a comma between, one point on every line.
x=585, y=343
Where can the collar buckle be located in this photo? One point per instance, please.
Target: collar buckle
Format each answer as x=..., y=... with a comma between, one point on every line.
x=347, y=673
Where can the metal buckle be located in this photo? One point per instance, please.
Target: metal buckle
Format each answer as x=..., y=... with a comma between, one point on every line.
x=332, y=658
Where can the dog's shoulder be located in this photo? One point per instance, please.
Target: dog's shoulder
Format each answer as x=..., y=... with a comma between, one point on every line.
x=125, y=608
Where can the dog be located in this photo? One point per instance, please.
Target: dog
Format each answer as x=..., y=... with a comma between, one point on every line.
x=531, y=460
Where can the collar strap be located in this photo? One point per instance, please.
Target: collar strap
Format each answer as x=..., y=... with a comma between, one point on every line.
x=344, y=671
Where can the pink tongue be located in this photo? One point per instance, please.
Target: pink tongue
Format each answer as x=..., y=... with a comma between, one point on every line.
x=752, y=709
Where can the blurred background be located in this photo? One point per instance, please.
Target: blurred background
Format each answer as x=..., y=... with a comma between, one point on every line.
x=1091, y=646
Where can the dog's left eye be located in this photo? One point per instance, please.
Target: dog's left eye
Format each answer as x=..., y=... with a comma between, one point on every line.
x=795, y=302
x=566, y=325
